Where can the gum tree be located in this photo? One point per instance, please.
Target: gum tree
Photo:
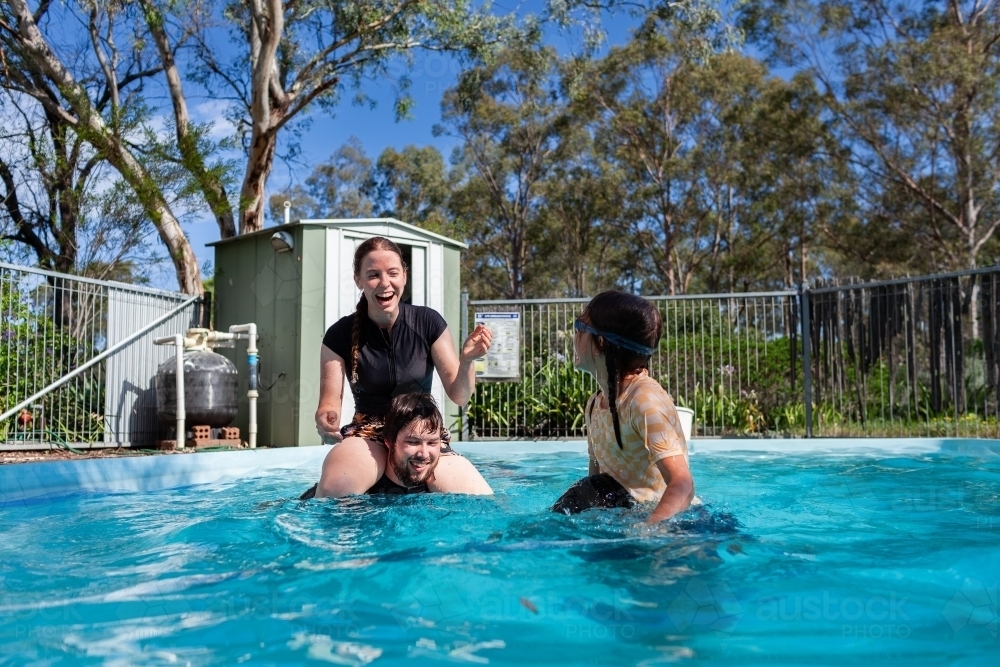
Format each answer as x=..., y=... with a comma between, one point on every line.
x=96, y=91
x=412, y=185
x=659, y=106
x=915, y=90
x=284, y=58
x=65, y=209
x=510, y=119
x=280, y=60
x=340, y=187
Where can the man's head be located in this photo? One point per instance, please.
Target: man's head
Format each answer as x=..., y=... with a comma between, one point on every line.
x=413, y=430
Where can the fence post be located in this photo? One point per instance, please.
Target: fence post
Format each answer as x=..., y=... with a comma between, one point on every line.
x=806, y=356
x=464, y=319
x=463, y=334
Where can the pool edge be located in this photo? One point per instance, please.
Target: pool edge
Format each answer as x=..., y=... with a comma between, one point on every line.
x=31, y=483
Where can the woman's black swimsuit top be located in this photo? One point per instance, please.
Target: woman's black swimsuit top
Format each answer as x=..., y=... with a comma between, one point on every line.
x=390, y=361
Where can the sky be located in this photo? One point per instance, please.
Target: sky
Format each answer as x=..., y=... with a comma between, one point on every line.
x=376, y=128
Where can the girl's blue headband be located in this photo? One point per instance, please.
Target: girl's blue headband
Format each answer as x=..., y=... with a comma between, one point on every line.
x=615, y=339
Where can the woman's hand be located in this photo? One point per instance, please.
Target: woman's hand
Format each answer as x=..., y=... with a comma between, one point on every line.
x=328, y=425
x=477, y=344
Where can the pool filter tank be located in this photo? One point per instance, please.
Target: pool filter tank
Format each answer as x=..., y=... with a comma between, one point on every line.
x=201, y=388
x=211, y=389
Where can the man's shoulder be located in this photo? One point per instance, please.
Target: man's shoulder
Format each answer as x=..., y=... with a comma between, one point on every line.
x=456, y=474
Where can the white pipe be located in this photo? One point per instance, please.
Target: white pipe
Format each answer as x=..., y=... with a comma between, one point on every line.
x=177, y=340
x=95, y=360
x=250, y=331
x=252, y=438
x=181, y=409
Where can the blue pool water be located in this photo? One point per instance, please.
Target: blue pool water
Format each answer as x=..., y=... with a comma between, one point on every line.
x=793, y=559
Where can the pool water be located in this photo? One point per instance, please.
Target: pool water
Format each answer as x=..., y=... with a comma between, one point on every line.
x=792, y=559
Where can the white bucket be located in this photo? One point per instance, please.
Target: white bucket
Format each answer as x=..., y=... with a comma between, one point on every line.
x=686, y=415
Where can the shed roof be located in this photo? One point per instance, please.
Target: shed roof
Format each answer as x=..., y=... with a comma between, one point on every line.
x=372, y=226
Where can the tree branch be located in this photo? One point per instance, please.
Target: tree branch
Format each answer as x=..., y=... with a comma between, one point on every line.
x=109, y=74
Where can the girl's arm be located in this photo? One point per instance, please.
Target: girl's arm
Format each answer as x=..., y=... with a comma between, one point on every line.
x=654, y=416
x=331, y=393
x=458, y=373
x=593, y=467
x=680, y=488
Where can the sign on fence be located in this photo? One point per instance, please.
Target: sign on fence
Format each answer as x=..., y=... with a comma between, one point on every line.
x=502, y=362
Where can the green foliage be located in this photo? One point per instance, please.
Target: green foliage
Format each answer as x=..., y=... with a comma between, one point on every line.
x=512, y=122
x=736, y=386
x=548, y=402
x=726, y=411
x=412, y=185
x=676, y=160
x=34, y=352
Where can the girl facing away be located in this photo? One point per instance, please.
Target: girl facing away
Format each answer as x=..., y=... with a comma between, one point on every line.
x=637, y=448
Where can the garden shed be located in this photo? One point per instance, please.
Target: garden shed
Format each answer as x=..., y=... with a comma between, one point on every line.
x=294, y=281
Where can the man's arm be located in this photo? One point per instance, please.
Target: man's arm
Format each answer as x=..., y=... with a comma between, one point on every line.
x=456, y=474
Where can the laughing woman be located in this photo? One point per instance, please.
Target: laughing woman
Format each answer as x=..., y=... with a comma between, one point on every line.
x=386, y=348
x=634, y=438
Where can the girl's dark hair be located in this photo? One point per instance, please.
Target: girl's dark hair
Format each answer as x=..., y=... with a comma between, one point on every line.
x=361, y=312
x=631, y=317
x=408, y=408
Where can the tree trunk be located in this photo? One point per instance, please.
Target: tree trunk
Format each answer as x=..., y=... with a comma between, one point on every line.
x=153, y=201
x=91, y=126
x=209, y=183
x=252, y=194
x=668, y=259
x=266, y=111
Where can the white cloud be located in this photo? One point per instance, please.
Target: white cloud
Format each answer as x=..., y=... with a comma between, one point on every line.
x=214, y=112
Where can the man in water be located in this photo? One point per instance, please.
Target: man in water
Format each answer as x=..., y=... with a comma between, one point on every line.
x=411, y=461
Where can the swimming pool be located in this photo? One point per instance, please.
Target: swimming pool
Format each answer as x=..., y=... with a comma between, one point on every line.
x=796, y=557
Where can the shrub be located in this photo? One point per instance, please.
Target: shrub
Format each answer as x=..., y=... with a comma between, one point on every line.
x=34, y=352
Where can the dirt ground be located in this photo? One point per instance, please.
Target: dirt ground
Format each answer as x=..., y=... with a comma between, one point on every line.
x=35, y=456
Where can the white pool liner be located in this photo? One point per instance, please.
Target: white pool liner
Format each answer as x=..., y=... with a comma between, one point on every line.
x=26, y=483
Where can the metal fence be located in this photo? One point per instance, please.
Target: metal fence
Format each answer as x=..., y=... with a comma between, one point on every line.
x=907, y=357
x=911, y=357
x=77, y=359
x=727, y=357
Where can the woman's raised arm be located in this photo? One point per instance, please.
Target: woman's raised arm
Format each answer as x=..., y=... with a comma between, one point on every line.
x=458, y=373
